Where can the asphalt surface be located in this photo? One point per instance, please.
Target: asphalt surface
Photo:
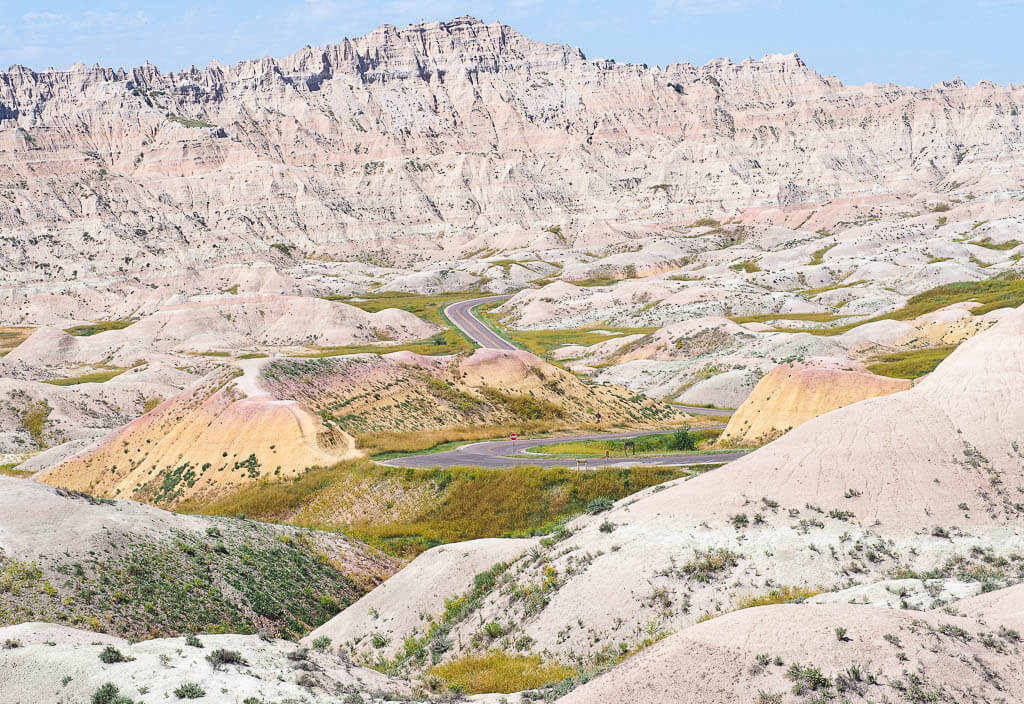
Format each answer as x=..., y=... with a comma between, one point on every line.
x=507, y=453
x=461, y=315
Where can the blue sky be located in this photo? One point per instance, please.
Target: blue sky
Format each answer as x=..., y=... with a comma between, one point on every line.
x=911, y=42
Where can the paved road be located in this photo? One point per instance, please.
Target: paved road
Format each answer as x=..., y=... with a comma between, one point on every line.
x=497, y=454
x=505, y=453
x=461, y=315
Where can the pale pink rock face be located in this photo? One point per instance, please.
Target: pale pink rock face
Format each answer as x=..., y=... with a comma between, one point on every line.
x=385, y=141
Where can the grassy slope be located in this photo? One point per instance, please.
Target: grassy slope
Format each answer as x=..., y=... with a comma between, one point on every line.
x=454, y=504
x=98, y=327
x=12, y=336
x=991, y=294
x=238, y=577
x=97, y=377
x=910, y=364
x=429, y=308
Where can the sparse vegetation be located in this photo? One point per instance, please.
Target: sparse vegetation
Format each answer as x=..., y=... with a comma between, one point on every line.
x=910, y=364
x=98, y=326
x=110, y=655
x=458, y=503
x=785, y=594
x=34, y=418
x=818, y=257
x=96, y=377
x=499, y=671
x=189, y=122
x=189, y=690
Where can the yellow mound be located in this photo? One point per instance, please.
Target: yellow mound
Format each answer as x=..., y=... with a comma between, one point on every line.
x=792, y=394
x=202, y=444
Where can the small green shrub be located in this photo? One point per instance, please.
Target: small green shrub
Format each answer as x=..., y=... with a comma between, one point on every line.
x=110, y=655
x=109, y=694
x=193, y=640
x=322, y=642
x=189, y=690
x=599, y=505
x=222, y=656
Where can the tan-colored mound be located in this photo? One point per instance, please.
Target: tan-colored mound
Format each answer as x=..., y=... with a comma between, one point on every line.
x=924, y=481
x=885, y=655
x=404, y=392
x=793, y=393
x=212, y=438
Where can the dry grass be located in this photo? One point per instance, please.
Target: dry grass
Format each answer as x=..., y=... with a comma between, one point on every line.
x=910, y=364
x=11, y=337
x=460, y=503
x=8, y=470
x=818, y=256
x=500, y=672
x=97, y=377
x=785, y=594
x=97, y=327
x=767, y=317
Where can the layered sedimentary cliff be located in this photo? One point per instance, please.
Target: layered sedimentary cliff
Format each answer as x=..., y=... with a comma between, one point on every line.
x=376, y=146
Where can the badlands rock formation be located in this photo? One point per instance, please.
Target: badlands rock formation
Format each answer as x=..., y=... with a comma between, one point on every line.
x=129, y=569
x=792, y=394
x=276, y=418
x=370, y=149
x=885, y=654
x=920, y=482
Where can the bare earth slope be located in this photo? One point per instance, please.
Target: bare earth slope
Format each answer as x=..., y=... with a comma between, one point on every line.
x=792, y=394
x=925, y=481
x=886, y=655
x=456, y=127
x=132, y=570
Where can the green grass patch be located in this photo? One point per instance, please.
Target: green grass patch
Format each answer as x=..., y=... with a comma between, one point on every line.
x=768, y=317
x=990, y=293
x=543, y=342
x=236, y=577
x=8, y=470
x=97, y=377
x=596, y=281
x=499, y=671
x=97, y=327
x=749, y=266
x=910, y=364
x=680, y=442
x=987, y=243
x=811, y=292
x=189, y=122
x=818, y=257
x=429, y=308
x=455, y=504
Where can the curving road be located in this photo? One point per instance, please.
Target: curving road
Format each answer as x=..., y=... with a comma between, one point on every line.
x=505, y=453
x=461, y=316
